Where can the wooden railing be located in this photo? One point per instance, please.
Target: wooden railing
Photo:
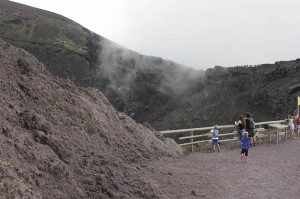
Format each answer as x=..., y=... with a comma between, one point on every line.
x=203, y=132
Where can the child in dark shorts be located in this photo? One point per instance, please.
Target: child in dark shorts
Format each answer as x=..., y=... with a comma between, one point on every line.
x=245, y=146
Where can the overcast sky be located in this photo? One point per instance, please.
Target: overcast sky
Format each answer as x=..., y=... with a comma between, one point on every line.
x=195, y=33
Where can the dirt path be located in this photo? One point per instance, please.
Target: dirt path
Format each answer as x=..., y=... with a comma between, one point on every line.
x=272, y=171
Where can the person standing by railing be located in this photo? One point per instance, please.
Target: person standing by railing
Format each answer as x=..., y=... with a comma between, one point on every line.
x=241, y=124
x=296, y=123
x=250, y=125
x=215, y=138
x=291, y=126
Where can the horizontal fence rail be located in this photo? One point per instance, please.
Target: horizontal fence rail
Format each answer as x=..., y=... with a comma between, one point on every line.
x=204, y=135
x=197, y=133
x=220, y=127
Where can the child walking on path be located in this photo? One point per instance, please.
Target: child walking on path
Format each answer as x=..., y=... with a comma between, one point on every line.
x=215, y=138
x=245, y=146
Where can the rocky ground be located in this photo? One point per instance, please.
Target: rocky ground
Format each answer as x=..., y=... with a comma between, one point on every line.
x=272, y=171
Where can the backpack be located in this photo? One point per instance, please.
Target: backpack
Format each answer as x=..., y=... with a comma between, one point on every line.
x=252, y=123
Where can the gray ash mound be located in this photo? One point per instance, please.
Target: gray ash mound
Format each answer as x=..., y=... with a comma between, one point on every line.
x=66, y=141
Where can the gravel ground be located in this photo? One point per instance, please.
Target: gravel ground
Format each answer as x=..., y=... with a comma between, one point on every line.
x=272, y=171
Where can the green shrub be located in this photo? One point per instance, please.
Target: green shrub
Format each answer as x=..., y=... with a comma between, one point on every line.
x=7, y=166
x=90, y=128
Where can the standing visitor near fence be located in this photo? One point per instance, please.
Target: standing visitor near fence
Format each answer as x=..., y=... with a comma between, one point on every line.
x=241, y=124
x=250, y=126
x=291, y=126
x=297, y=123
x=215, y=138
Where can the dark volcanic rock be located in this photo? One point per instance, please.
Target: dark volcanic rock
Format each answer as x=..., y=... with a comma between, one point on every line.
x=268, y=91
x=146, y=88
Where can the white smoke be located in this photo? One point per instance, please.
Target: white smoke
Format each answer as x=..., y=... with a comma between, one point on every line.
x=124, y=68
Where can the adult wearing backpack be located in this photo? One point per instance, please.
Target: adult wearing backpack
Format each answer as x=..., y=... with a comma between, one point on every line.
x=250, y=126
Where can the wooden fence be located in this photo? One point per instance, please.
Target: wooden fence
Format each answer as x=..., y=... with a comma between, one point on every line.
x=202, y=134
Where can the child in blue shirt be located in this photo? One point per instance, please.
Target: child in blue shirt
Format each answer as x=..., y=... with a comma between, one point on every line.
x=245, y=146
x=215, y=137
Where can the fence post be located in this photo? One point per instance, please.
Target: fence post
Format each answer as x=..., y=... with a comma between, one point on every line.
x=192, y=140
x=236, y=134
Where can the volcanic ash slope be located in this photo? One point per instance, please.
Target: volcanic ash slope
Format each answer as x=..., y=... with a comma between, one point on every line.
x=62, y=141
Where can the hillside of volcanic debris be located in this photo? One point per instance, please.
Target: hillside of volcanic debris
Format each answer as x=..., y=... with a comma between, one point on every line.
x=63, y=141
